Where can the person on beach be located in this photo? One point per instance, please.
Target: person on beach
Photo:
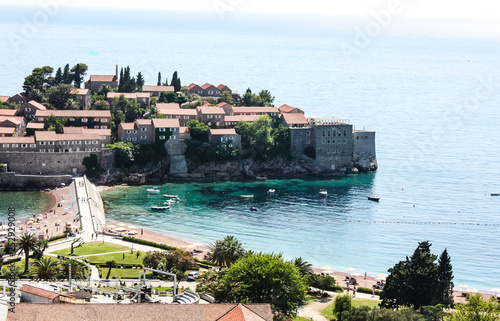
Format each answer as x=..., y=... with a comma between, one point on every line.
x=365, y=275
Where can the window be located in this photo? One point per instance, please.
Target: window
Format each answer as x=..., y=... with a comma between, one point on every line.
x=72, y=119
x=143, y=137
x=42, y=143
x=134, y=132
x=42, y=150
x=84, y=120
x=40, y=119
x=210, y=116
x=134, y=139
x=129, y=131
x=144, y=129
x=328, y=141
x=366, y=137
x=218, y=92
x=95, y=142
x=172, y=137
x=162, y=129
x=78, y=149
x=345, y=132
x=62, y=142
x=308, y=133
x=28, y=109
x=24, y=145
x=210, y=92
x=87, y=149
x=186, y=117
x=323, y=142
x=223, y=139
x=129, y=139
x=357, y=137
x=162, y=137
x=78, y=142
x=50, y=143
x=345, y=141
x=5, y=145
x=104, y=120
x=323, y=133
x=328, y=133
x=32, y=145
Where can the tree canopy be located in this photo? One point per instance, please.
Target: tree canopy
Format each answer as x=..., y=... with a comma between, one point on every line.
x=263, y=98
x=198, y=130
x=226, y=251
x=415, y=281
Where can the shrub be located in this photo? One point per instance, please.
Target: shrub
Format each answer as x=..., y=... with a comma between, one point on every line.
x=324, y=282
x=153, y=244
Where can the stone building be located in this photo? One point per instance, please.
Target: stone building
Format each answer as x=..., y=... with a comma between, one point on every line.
x=19, y=99
x=155, y=91
x=211, y=116
x=224, y=138
x=30, y=108
x=84, y=118
x=182, y=114
x=149, y=131
x=96, y=81
x=142, y=98
x=83, y=96
x=207, y=90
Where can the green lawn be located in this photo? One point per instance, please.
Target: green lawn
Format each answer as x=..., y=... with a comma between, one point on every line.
x=118, y=258
x=297, y=318
x=328, y=312
x=20, y=265
x=122, y=273
x=93, y=248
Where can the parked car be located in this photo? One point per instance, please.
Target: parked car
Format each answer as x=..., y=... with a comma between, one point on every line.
x=193, y=275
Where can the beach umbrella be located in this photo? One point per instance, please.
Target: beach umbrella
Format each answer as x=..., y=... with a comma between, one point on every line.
x=4, y=233
x=131, y=226
x=471, y=290
x=32, y=229
x=349, y=269
x=120, y=229
x=132, y=233
x=122, y=224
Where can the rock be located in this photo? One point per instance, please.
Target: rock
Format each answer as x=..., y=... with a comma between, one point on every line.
x=365, y=162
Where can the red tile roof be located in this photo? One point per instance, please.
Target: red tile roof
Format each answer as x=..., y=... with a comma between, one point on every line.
x=52, y=136
x=127, y=126
x=39, y=292
x=178, y=112
x=221, y=86
x=74, y=113
x=206, y=86
x=81, y=130
x=144, y=122
x=165, y=123
x=286, y=109
x=241, y=313
x=265, y=110
x=136, y=312
x=191, y=86
x=12, y=119
x=167, y=106
x=222, y=104
x=103, y=78
x=8, y=112
x=80, y=91
x=158, y=88
x=17, y=140
x=35, y=125
x=247, y=118
x=7, y=130
x=184, y=130
x=295, y=119
x=112, y=95
x=223, y=131
x=211, y=110
x=4, y=98
x=34, y=104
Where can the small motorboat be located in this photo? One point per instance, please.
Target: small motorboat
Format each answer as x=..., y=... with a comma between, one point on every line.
x=374, y=198
x=159, y=208
x=495, y=194
x=247, y=196
x=272, y=190
x=172, y=197
x=153, y=191
x=323, y=192
x=253, y=209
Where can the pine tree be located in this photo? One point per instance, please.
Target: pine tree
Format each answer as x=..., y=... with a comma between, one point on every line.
x=58, y=78
x=445, y=277
x=67, y=79
x=140, y=81
x=159, y=79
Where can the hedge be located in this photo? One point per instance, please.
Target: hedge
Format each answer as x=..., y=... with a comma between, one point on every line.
x=58, y=237
x=367, y=290
x=153, y=244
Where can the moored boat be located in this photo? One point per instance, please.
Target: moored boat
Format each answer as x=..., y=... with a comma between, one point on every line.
x=323, y=192
x=272, y=190
x=374, y=198
x=153, y=191
x=247, y=196
x=159, y=208
x=495, y=194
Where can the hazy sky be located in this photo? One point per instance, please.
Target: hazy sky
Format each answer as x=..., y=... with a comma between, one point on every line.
x=459, y=9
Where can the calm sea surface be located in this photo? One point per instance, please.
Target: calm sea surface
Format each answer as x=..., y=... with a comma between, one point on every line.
x=431, y=92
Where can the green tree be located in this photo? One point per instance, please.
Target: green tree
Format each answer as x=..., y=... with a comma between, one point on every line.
x=67, y=76
x=104, y=90
x=226, y=97
x=364, y=313
x=58, y=79
x=38, y=78
x=110, y=265
x=126, y=84
x=125, y=152
x=77, y=269
x=176, y=82
x=266, y=97
x=265, y=278
x=152, y=259
x=198, y=130
x=413, y=282
x=342, y=303
x=305, y=268
x=159, y=79
x=140, y=81
x=10, y=247
x=91, y=164
x=476, y=309
x=55, y=124
x=59, y=95
x=79, y=71
x=445, y=279
x=26, y=243
x=45, y=269
x=226, y=251
x=78, y=240
x=40, y=247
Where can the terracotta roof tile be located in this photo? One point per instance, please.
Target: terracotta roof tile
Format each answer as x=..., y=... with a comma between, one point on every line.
x=52, y=136
x=206, y=86
x=165, y=122
x=167, y=106
x=238, y=110
x=286, y=109
x=4, y=98
x=35, y=125
x=247, y=118
x=17, y=140
x=80, y=91
x=81, y=130
x=74, y=113
x=223, y=131
x=178, y=112
x=113, y=95
x=8, y=112
x=211, y=110
x=127, y=126
x=103, y=78
x=7, y=130
x=144, y=122
x=34, y=104
x=221, y=86
x=191, y=86
x=39, y=292
x=158, y=88
x=295, y=119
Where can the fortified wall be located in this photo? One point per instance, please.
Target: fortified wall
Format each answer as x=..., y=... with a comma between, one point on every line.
x=54, y=163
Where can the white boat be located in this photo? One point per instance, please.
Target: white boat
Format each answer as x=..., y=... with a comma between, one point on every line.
x=271, y=190
x=247, y=196
x=323, y=192
x=172, y=197
x=153, y=191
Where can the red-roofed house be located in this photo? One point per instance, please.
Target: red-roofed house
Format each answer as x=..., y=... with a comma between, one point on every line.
x=4, y=98
x=83, y=96
x=146, y=131
x=289, y=109
x=86, y=118
x=96, y=81
x=231, y=121
x=36, y=295
x=142, y=98
x=241, y=313
x=294, y=120
x=32, y=127
x=211, y=116
x=18, y=123
x=157, y=90
x=225, y=138
x=50, y=142
x=30, y=108
x=163, y=127
x=17, y=144
x=7, y=131
x=8, y=112
x=19, y=99
x=182, y=114
x=207, y=90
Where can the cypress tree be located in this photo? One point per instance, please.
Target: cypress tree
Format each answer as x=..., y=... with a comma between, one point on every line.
x=59, y=77
x=445, y=277
x=121, y=81
x=159, y=79
x=66, y=75
x=140, y=81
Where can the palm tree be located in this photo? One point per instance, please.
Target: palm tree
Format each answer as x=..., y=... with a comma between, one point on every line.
x=305, y=268
x=77, y=269
x=110, y=264
x=45, y=269
x=40, y=247
x=26, y=244
x=226, y=251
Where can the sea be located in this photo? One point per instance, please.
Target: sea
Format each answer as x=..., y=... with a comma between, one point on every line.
x=429, y=88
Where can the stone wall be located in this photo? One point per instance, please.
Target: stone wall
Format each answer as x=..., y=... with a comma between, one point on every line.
x=54, y=163
x=13, y=181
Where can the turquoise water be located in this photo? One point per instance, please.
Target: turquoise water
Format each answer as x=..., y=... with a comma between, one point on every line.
x=25, y=203
x=431, y=94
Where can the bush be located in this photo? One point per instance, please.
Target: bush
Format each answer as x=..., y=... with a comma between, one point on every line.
x=324, y=282
x=57, y=237
x=153, y=244
x=367, y=290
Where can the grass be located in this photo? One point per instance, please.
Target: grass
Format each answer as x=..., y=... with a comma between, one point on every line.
x=163, y=288
x=297, y=318
x=356, y=302
x=118, y=258
x=122, y=273
x=20, y=265
x=93, y=248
